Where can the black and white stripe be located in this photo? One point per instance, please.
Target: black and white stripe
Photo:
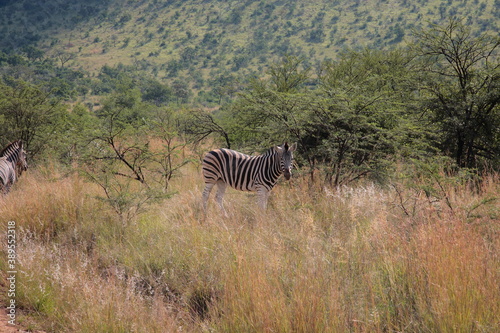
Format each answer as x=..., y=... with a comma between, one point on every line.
x=12, y=163
x=246, y=173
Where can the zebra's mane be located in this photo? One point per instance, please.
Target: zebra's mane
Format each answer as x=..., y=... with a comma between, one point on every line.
x=9, y=149
x=270, y=151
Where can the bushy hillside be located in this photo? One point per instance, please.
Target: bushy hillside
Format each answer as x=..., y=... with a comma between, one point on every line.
x=198, y=41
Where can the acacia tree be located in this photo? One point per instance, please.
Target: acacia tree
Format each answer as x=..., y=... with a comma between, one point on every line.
x=63, y=56
x=170, y=157
x=117, y=156
x=359, y=115
x=200, y=124
x=273, y=108
x=30, y=114
x=133, y=152
x=461, y=89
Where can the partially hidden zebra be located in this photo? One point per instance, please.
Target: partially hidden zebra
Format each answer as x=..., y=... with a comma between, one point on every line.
x=246, y=173
x=13, y=162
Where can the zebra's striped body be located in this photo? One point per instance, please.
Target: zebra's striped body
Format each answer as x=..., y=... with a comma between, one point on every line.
x=12, y=164
x=246, y=173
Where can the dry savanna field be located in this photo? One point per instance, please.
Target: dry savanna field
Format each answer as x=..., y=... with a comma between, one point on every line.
x=414, y=255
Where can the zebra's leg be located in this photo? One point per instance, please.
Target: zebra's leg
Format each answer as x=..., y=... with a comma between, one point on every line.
x=7, y=187
x=262, y=195
x=206, y=194
x=221, y=189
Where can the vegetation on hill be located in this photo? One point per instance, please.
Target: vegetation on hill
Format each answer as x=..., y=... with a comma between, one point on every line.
x=208, y=44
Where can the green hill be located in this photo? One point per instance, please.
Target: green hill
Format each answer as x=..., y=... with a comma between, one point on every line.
x=198, y=41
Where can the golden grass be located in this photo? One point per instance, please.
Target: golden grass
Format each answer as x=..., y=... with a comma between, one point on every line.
x=319, y=260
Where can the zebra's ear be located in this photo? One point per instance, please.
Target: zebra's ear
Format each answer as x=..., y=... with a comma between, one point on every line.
x=293, y=147
x=278, y=149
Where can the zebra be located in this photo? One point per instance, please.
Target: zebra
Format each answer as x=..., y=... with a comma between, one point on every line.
x=13, y=162
x=246, y=173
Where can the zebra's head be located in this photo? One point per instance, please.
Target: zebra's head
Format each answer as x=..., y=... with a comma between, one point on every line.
x=22, y=161
x=286, y=158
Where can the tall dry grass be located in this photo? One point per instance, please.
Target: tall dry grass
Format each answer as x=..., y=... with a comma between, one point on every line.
x=363, y=259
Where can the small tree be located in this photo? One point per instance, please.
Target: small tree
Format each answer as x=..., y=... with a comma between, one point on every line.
x=30, y=114
x=64, y=57
x=200, y=124
x=134, y=153
x=461, y=87
x=224, y=86
x=169, y=158
x=358, y=116
x=119, y=155
x=274, y=108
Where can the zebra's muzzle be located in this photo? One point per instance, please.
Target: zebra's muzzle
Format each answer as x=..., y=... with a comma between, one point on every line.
x=287, y=174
